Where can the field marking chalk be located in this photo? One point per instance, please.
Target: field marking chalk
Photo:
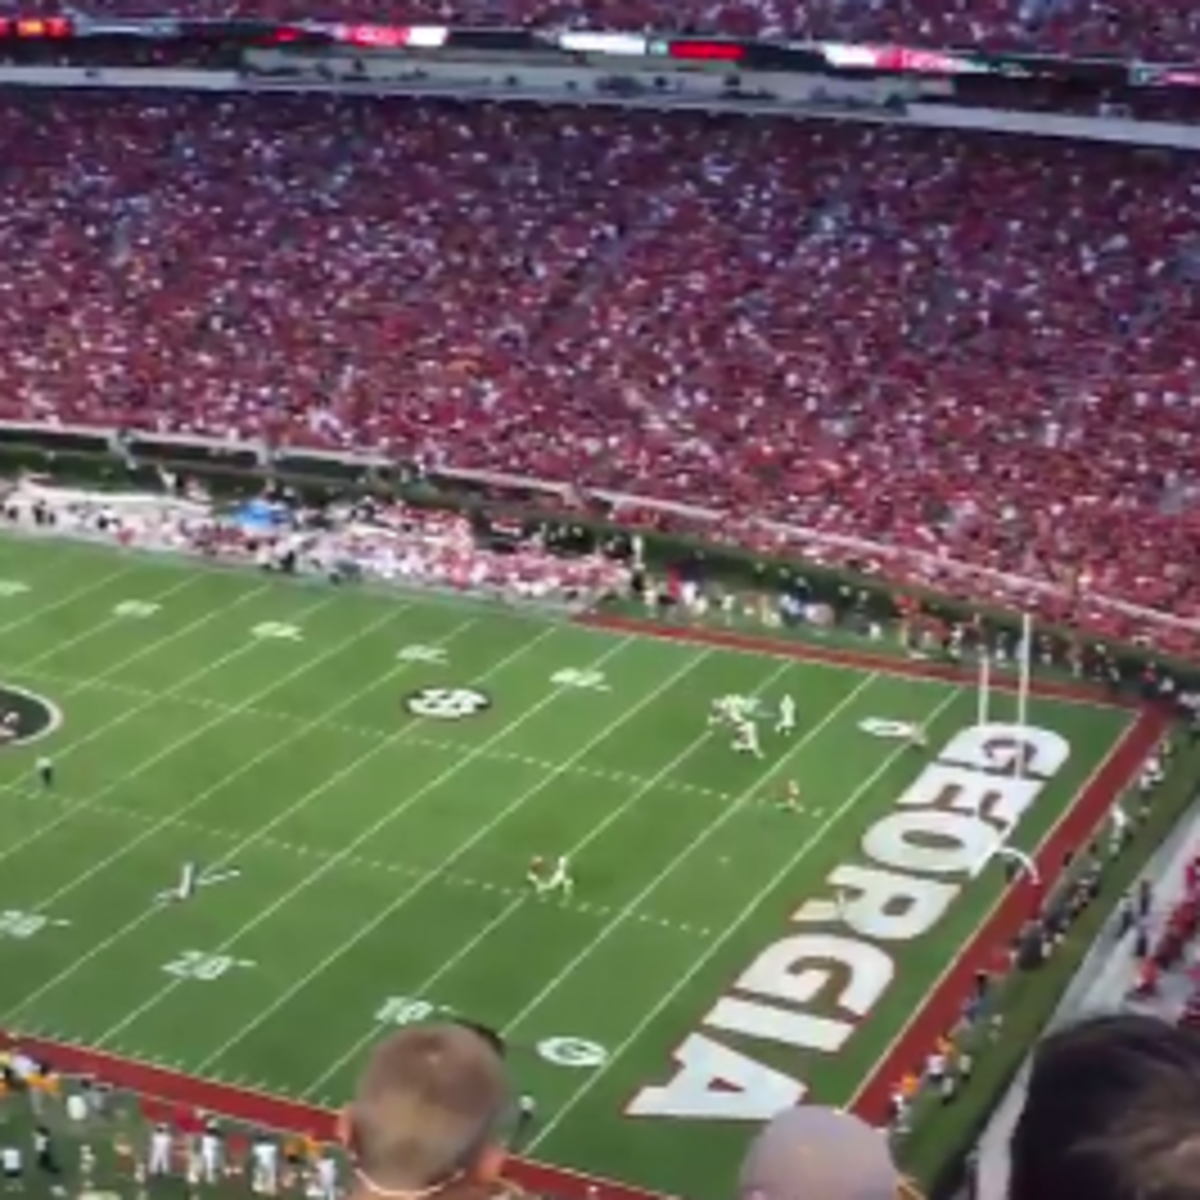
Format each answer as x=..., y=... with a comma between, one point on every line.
x=396, y=669
x=179, y=814
x=734, y=926
x=612, y=816
x=479, y=835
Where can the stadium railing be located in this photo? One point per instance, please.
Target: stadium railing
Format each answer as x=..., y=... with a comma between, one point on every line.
x=665, y=47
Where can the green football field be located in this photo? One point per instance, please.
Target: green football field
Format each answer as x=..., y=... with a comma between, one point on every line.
x=363, y=866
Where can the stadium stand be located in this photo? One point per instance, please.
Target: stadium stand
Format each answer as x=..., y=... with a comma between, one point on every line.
x=118, y=1127
x=709, y=311
x=1167, y=30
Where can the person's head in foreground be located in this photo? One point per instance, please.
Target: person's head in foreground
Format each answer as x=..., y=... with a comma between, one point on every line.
x=1112, y=1113
x=813, y=1153
x=430, y=1115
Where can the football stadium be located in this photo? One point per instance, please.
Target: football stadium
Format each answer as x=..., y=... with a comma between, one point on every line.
x=599, y=601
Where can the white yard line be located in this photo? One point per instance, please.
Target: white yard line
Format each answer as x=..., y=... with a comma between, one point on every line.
x=480, y=834
x=519, y=901
x=468, y=756
x=73, y=597
x=391, y=866
x=226, y=860
x=993, y=909
x=98, y=731
x=701, y=839
x=100, y=627
x=715, y=947
x=176, y=816
x=374, y=735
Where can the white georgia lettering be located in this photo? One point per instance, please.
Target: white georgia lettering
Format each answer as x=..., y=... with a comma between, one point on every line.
x=932, y=843
x=1000, y=800
x=716, y=1083
x=802, y=1030
x=949, y=823
x=1000, y=747
x=883, y=905
x=774, y=973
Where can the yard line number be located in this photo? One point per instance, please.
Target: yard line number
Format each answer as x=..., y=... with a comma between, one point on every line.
x=277, y=631
x=405, y=1010
x=140, y=609
x=199, y=966
x=12, y=587
x=877, y=727
x=20, y=926
x=586, y=681
x=433, y=655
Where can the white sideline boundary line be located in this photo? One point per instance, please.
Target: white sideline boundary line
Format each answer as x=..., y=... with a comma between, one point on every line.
x=990, y=914
x=765, y=645
x=177, y=815
x=614, y=815
x=752, y=907
x=468, y=756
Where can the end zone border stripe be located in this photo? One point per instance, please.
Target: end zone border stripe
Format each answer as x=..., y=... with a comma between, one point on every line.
x=1003, y=921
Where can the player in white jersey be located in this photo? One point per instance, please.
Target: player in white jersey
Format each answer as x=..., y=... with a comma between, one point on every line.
x=211, y=1156
x=159, y=1162
x=726, y=710
x=264, y=1179
x=786, y=721
x=185, y=889
x=746, y=740
x=557, y=878
x=327, y=1181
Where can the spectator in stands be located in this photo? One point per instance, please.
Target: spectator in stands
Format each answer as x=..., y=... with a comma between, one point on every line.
x=431, y=1117
x=813, y=1153
x=1112, y=1113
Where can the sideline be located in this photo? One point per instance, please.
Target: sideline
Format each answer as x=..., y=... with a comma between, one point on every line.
x=1084, y=694
x=261, y=1109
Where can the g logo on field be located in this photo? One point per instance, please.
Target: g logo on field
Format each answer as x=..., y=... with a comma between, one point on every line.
x=572, y=1052
x=446, y=704
x=25, y=716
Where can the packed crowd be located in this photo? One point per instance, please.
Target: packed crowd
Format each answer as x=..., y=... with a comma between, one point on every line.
x=1165, y=31
x=390, y=543
x=963, y=350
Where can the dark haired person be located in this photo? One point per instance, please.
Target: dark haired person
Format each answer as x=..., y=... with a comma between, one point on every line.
x=1112, y=1113
x=432, y=1116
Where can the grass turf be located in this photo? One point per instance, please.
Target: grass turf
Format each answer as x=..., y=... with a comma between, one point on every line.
x=381, y=857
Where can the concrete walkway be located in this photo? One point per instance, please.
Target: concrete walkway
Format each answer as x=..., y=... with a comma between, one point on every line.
x=1103, y=984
